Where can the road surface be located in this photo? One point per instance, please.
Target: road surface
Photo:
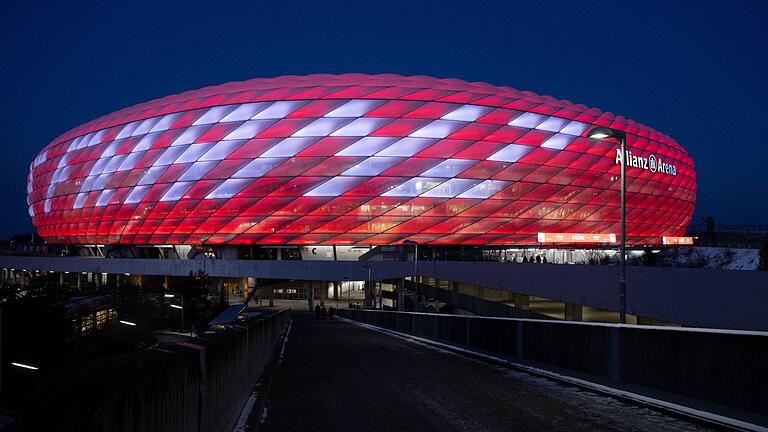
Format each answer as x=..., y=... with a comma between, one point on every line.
x=337, y=376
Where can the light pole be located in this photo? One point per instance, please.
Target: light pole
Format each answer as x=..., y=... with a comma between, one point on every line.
x=601, y=132
x=415, y=272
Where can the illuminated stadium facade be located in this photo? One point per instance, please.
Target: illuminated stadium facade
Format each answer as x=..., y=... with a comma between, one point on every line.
x=355, y=159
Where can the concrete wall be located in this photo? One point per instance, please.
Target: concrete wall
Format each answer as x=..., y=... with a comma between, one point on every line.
x=200, y=384
x=692, y=297
x=716, y=371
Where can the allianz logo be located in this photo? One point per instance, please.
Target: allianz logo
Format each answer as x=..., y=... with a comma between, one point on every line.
x=651, y=163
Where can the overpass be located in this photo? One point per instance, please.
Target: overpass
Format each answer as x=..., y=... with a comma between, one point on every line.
x=691, y=297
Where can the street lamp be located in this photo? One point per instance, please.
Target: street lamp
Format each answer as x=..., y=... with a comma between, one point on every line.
x=601, y=132
x=415, y=272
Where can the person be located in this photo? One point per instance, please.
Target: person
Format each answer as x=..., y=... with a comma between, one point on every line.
x=317, y=311
x=330, y=312
x=525, y=259
x=538, y=259
x=323, y=311
x=544, y=259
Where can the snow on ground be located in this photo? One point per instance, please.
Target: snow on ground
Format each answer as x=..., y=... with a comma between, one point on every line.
x=711, y=258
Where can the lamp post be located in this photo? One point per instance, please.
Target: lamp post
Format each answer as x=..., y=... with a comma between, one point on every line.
x=601, y=132
x=415, y=272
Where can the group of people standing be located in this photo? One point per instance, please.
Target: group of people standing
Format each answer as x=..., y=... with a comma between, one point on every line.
x=321, y=311
x=536, y=259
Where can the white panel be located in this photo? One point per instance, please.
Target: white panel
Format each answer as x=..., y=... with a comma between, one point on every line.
x=414, y=187
x=451, y=188
x=372, y=166
x=355, y=108
x=104, y=198
x=137, y=194
x=165, y=122
x=177, y=191
x=552, y=124
x=111, y=148
x=438, y=129
x=86, y=141
x=321, y=127
x=367, y=146
x=335, y=186
x=80, y=200
x=98, y=167
x=510, y=153
x=407, y=147
x=63, y=160
x=87, y=185
x=575, y=128
x=47, y=206
x=127, y=130
x=190, y=135
x=486, y=189
x=147, y=141
x=193, y=153
x=467, y=113
x=96, y=137
x=214, y=114
x=288, y=147
x=130, y=161
x=558, y=141
x=114, y=163
x=101, y=182
x=258, y=167
x=197, y=170
x=361, y=127
x=221, y=150
x=145, y=126
x=151, y=176
x=170, y=155
x=50, y=190
x=528, y=120
x=449, y=168
x=245, y=111
x=249, y=129
x=229, y=188
x=279, y=110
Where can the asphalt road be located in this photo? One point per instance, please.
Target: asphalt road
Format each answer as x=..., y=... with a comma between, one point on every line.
x=337, y=376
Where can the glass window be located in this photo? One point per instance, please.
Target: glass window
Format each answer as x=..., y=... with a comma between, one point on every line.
x=414, y=187
x=451, y=188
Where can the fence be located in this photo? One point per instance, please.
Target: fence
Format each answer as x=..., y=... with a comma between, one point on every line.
x=716, y=371
x=197, y=385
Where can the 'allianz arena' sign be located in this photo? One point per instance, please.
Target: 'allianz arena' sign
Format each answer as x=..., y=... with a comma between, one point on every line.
x=651, y=163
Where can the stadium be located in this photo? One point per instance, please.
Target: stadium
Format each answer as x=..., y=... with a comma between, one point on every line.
x=356, y=160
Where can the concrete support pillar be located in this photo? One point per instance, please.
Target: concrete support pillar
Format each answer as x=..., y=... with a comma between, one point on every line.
x=323, y=292
x=521, y=301
x=166, y=283
x=223, y=297
x=61, y=279
x=97, y=279
x=79, y=277
x=117, y=280
x=244, y=286
x=573, y=312
x=271, y=291
x=310, y=289
x=335, y=290
x=401, y=295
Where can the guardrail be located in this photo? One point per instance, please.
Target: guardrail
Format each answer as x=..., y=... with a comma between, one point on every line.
x=720, y=371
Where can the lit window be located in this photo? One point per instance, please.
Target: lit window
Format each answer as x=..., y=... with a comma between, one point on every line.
x=451, y=188
x=485, y=189
x=414, y=187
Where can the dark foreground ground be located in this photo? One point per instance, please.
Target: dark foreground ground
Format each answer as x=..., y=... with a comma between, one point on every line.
x=341, y=377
